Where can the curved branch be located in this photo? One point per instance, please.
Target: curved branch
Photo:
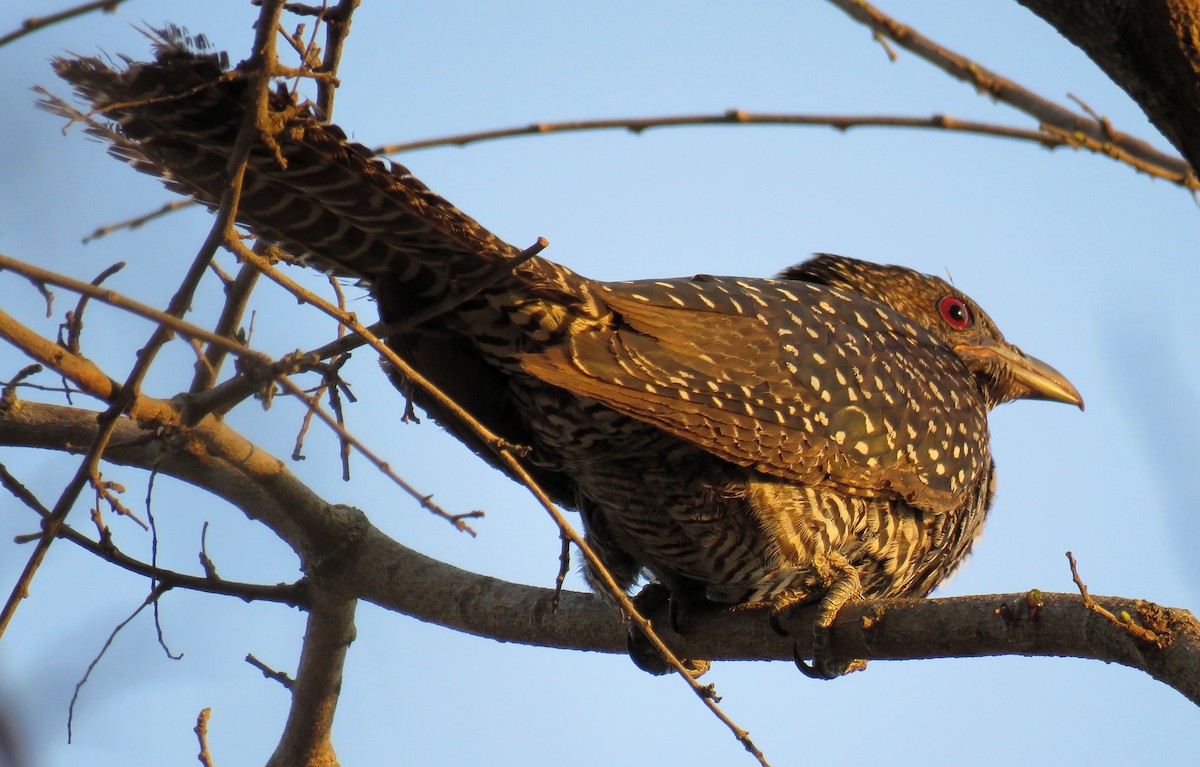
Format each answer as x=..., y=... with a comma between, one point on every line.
x=1050, y=135
x=92, y=380
x=356, y=558
x=291, y=594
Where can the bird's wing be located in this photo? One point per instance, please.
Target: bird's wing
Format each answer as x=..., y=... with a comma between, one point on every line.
x=796, y=380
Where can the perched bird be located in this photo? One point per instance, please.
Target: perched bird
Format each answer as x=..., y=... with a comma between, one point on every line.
x=821, y=436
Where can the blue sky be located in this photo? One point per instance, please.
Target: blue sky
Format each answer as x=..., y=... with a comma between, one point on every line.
x=1080, y=261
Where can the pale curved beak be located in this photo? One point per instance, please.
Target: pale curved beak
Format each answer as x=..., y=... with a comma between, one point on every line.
x=1030, y=377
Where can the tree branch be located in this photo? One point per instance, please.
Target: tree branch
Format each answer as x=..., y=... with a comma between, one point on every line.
x=306, y=736
x=34, y=23
x=294, y=594
x=1049, y=135
x=1150, y=49
x=360, y=560
x=1049, y=113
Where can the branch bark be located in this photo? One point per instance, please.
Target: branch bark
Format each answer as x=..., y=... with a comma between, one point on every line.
x=346, y=555
x=306, y=737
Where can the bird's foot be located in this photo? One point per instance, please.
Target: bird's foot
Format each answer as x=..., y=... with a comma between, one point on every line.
x=642, y=651
x=844, y=587
x=824, y=665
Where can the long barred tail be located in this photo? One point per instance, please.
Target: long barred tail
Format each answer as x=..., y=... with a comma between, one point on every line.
x=331, y=201
x=342, y=208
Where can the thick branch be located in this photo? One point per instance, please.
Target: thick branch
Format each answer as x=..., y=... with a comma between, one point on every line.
x=306, y=738
x=358, y=559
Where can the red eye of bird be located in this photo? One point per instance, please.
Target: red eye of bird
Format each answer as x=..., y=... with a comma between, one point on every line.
x=955, y=312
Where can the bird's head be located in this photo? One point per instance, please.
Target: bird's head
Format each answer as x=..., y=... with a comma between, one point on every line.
x=1003, y=371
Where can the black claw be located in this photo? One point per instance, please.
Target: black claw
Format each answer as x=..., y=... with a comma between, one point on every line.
x=643, y=654
x=809, y=670
x=823, y=666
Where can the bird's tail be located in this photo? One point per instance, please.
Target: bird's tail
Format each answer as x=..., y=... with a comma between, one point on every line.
x=334, y=203
x=306, y=188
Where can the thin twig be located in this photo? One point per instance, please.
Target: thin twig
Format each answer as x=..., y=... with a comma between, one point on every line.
x=171, y=322
x=288, y=594
x=162, y=641
x=640, y=125
x=706, y=693
x=271, y=673
x=250, y=130
x=74, y=320
x=405, y=369
x=449, y=302
x=152, y=597
x=337, y=27
x=8, y=398
x=424, y=501
x=254, y=359
x=1049, y=135
x=1140, y=632
x=237, y=296
x=1002, y=89
x=137, y=221
x=34, y=23
x=110, y=493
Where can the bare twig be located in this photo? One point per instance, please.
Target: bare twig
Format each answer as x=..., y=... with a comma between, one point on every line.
x=352, y=323
x=74, y=320
x=252, y=128
x=337, y=27
x=237, y=295
x=9, y=396
x=34, y=23
x=424, y=501
x=1053, y=117
x=706, y=693
x=640, y=125
x=137, y=221
x=158, y=630
x=72, y=366
x=170, y=321
x=110, y=493
x=270, y=673
x=206, y=563
x=288, y=594
x=1125, y=623
x=152, y=597
x=383, y=330
x=1048, y=135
